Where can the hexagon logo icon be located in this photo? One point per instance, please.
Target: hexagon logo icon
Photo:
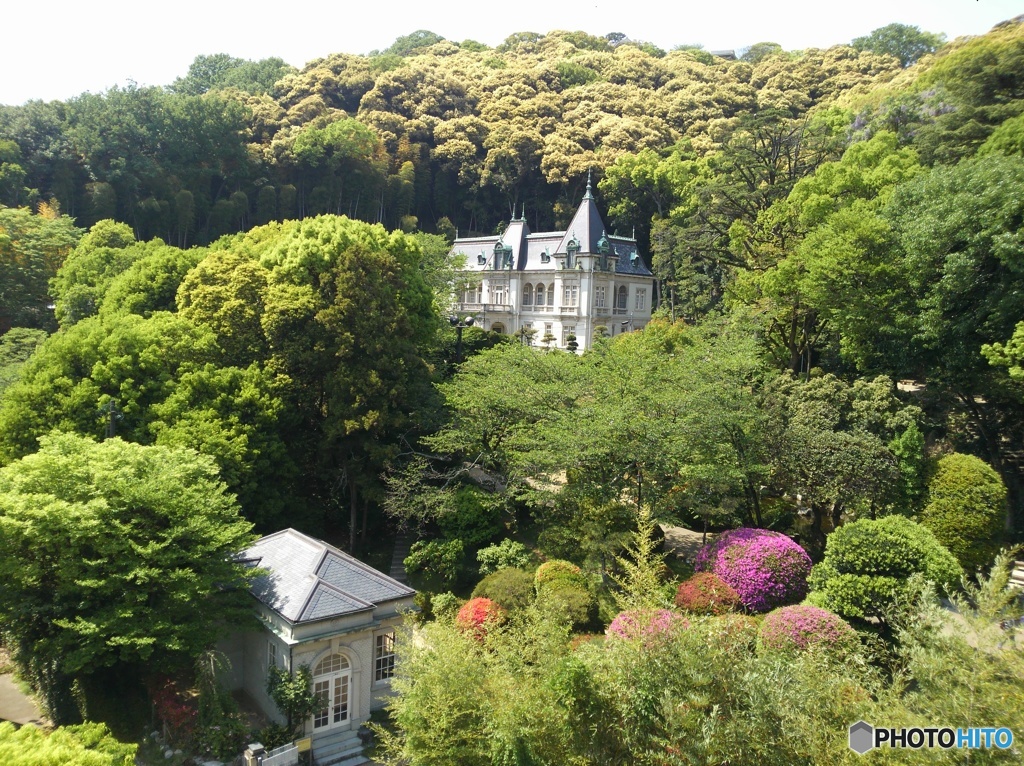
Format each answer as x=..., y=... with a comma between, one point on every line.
x=862, y=737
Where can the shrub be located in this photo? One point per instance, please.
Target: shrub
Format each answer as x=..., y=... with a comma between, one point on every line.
x=707, y=593
x=867, y=564
x=801, y=626
x=767, y=569
x=445, y=606
x=508, y=554
x=650, y=625
x=966, y=509
x=509, y=588
x=563, y=588
x=477, y=615
x=440, y=558
x=731, y=632
x=559, y=573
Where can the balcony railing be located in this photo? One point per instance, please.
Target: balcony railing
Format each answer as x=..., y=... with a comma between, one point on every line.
x=474, y=308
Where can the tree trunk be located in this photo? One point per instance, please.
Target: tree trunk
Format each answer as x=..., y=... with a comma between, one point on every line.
x=353, y=501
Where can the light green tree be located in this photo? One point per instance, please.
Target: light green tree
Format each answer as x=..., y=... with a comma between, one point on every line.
x=115, y=553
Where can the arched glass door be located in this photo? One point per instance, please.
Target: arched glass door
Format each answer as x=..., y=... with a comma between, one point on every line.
x=331, y=686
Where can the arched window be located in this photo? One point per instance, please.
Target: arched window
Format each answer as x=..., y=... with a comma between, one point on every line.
x=623, y=294
x=551, y=294
x=331, y=686
x=528, y=294
x=498, y=327
x=540, y=294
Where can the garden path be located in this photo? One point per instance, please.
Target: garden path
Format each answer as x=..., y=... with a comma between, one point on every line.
x=682, y=542
x=16, y=706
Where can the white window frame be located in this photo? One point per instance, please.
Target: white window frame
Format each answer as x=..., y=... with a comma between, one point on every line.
x=640, y=301
x=600, y=296
x=384, y=657
x=570, y=295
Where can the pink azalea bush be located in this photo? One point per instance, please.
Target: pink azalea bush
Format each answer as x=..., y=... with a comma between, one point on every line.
x=800, y=626
x=767, y=569
x=647, y=624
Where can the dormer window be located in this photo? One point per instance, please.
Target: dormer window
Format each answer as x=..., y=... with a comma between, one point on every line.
x=604, y=247
x=571, y=249
x=481, y=259
x=502, y=256
x=545, y=257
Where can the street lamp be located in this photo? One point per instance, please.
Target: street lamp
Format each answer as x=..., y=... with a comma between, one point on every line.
x=460, y=324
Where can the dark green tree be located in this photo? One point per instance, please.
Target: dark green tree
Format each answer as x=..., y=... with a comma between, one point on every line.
x=905, y=42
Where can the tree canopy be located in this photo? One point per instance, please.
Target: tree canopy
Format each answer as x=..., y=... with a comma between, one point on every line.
x=114, y=552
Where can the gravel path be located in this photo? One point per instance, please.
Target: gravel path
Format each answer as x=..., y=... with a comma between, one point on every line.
x=682, y=542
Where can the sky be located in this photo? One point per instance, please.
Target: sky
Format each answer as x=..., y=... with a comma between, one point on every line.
x=59, y=49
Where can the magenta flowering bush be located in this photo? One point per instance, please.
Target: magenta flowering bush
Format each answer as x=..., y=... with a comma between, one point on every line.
x=767, y=569
x=647, y=624
x=800, y=626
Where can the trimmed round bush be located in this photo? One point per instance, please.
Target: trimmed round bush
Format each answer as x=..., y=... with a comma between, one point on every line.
x=800, y=626
x=966, y=509
x=477, y=615
x=563, y=589
x=648, y=624
x=867, y=564
x=509, y=588
x=767, y=569
x=707, y=593
x=559, y=573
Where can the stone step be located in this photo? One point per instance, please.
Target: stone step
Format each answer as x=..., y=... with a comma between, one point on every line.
x=403, y=543
x=338, y=748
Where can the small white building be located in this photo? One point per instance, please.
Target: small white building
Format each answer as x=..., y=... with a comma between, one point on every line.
x=323, y=608
x=556, y=283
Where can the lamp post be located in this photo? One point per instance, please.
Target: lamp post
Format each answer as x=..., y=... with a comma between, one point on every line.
x=460, y=324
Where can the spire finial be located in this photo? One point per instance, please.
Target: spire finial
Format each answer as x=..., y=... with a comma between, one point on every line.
x=590, y=191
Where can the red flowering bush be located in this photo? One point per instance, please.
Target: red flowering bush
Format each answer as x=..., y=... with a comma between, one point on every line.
x=707, y=593
x=477, y=615
x=649, y=624
x=800, y=626
x=178, y=713
x=767, y=569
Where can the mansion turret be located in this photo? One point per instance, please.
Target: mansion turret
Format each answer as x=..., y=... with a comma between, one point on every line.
x=555, y=284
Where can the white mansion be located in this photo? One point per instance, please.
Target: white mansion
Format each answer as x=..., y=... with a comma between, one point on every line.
x=556, y=283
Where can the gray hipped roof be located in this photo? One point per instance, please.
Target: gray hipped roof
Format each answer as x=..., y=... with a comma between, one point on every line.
x=309, y=580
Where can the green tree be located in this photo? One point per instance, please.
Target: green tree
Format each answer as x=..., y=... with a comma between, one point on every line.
x=32, y=249
x=16, y=346
x=115, y=553
x=906, y=43
x=293, y=695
